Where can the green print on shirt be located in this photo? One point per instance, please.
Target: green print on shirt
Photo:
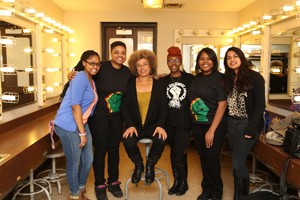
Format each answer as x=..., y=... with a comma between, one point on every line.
x=199, y=110
x=113, y=102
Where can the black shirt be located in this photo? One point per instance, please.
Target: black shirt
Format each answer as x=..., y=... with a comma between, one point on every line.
x=205, y=93
x=111, y=85
x=178, y=105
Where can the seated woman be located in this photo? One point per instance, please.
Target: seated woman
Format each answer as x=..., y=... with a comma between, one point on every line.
x=144, y=109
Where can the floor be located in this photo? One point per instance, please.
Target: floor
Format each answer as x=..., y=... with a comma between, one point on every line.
x=143, y=191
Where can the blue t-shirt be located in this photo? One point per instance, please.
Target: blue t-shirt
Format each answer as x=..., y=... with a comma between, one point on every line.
x=80, y=92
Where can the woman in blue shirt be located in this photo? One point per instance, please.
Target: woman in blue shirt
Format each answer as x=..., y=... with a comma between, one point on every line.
x=70, y=123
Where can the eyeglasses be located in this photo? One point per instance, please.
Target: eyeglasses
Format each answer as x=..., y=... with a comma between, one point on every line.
x=93, y=64
x=174, y=61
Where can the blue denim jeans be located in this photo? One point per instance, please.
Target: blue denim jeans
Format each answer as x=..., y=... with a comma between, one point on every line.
x=239, y=145
x=79, y=161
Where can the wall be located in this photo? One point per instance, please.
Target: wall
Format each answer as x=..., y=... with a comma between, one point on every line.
x=49, y=8
x=87, y=26
x=259, y=8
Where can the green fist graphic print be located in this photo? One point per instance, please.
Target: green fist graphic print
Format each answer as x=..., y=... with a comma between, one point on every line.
x=199, y=110
x=113, y=102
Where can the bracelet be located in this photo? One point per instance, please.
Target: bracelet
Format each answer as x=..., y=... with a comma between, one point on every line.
x=82, y=134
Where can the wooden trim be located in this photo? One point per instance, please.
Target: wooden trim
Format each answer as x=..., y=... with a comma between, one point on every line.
x=27, y=118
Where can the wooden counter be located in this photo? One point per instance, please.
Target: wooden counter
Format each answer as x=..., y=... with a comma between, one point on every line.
x=26, y=145
x=273, y=157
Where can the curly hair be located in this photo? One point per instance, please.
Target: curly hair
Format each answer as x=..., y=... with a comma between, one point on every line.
x=140, y=54
x=243, y=81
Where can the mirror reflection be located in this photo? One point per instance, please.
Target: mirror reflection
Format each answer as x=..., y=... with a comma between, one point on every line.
x=17, y=74
x=282, y=67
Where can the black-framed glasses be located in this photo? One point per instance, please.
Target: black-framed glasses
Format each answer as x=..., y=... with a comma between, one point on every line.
x=93, y=64
x=174, y=61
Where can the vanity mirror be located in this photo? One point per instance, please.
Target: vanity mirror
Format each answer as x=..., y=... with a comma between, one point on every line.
x=281, y=77
x=285, y=67
x=17, y=70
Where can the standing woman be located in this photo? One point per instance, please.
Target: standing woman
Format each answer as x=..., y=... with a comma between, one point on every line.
x=246, y=103
x=144, y=110
x=178, y=125
x=106, y=124
x=208, y=104
x=70, y=123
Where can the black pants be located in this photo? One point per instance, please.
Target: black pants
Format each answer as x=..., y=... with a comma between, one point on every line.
x=178, y=139
x=132, y=149
x=239, y=145
x=210, y=158
x=106, y=132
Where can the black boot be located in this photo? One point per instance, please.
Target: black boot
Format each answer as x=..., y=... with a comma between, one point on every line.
x=182, y=169
x=138, y=169
x=241, y=187
x=150, y=164
x=177, y=182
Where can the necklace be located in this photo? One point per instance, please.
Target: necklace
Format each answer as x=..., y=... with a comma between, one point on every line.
x=175, y=79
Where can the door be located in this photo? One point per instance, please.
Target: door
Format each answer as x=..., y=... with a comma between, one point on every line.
x=136, y=35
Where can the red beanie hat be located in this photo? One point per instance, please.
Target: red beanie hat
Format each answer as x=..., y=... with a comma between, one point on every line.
x=174, y=52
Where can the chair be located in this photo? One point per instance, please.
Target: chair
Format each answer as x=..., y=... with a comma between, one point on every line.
x=258, y=176
x=36, y=186
x=54, y=175
x=159, y=173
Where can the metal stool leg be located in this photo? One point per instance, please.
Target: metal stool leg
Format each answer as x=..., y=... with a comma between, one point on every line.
x=160, y=189
x=158, y=171
x=31, y=183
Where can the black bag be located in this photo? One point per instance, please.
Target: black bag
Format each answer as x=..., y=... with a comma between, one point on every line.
x=291, y=142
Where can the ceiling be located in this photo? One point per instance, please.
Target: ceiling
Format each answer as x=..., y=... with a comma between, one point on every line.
x=134, y=5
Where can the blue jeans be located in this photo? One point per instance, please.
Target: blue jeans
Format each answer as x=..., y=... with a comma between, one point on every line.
x=239, y=145
x=79, y=161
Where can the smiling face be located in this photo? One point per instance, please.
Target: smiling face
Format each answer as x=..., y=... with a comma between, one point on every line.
x=91, y=65
x=118, y=55
x=205, y=63
x=233, y=61
x=174, y=63
x=143, y=67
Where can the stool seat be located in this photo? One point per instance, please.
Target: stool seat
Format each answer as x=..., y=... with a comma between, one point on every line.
x=158, y=171
x=145, y=141
x=54, y=175
x=55, y=153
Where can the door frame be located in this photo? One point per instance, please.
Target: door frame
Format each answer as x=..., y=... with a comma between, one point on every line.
x=132, y=25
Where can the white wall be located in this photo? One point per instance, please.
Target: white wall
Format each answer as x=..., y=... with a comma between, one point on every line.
x=87, y=26
x=260, y=7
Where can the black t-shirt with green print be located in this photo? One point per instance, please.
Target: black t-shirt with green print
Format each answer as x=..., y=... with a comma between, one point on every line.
x=204, y=94
x=111, y=85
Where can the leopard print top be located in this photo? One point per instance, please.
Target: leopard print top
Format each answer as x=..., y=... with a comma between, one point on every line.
x=237, y=104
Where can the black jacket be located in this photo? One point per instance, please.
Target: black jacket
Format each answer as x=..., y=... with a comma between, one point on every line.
x=157, y=110
x=255, y=105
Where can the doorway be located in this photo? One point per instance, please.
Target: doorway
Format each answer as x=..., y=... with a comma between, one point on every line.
x=136, y=35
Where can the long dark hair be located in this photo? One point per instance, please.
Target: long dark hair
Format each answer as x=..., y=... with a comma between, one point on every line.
x=79, y=67
x=243, y=81
x=213, y=57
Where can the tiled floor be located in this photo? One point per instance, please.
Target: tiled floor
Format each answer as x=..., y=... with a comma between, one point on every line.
x=143, y=191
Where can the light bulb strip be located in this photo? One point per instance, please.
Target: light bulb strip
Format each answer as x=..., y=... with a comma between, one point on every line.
x=36, y=17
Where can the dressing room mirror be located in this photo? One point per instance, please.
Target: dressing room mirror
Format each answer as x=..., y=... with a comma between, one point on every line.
x=17, y=70
x=282, y=77
x=283, y=67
